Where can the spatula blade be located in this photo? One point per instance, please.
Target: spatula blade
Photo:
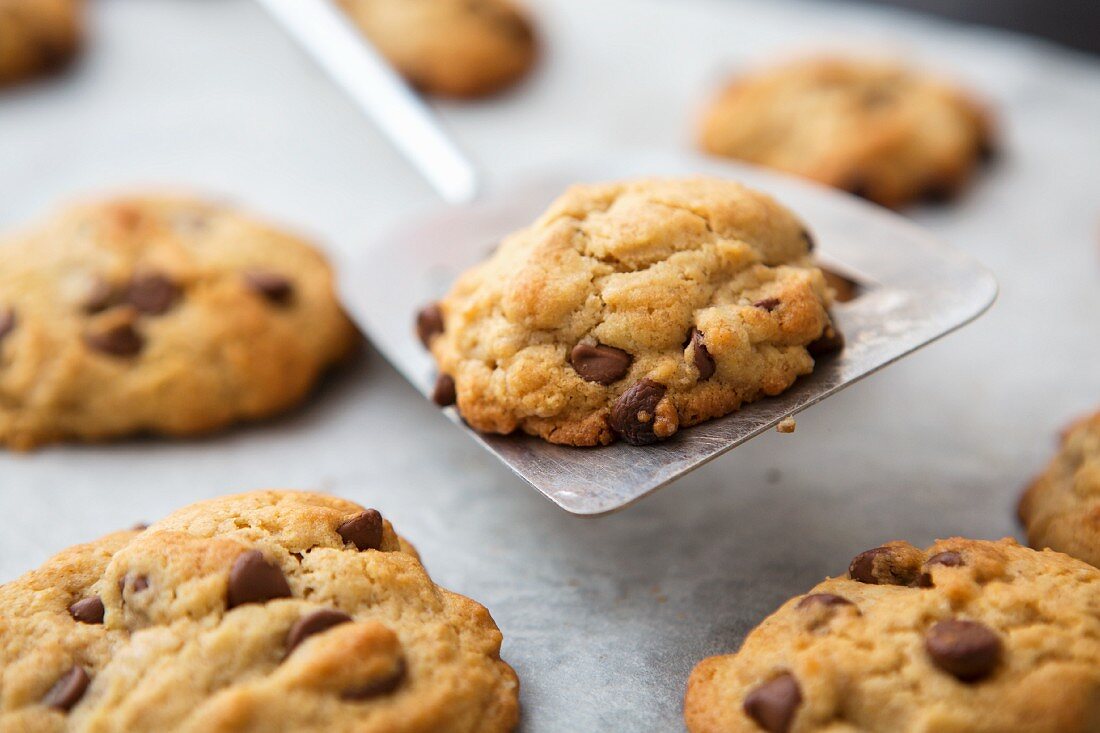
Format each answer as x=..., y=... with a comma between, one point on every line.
x=913, y=290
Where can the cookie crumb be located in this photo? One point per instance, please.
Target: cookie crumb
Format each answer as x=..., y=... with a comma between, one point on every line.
x=786, y=425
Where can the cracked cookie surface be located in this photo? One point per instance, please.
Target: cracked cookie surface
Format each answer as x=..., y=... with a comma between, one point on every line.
x=631, y=310
x=262, y=612
x=456, y=48
x=871, y=128
x=1061, y=508
x=160, y=315
x=38, y=36
x=967, y=636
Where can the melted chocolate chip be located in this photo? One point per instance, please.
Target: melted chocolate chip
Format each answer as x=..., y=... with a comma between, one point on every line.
x=599, y=363
x=937, y=193
x=68, y=689
x=7, y=321
x=272, y=286
x=773, y=704
x=88, y=610
x=364, y=530
x=633, y=414
x=858, y=187
x=99, y=297
x=882, y=566
x=137, y=585
x=768, y=304
x=152, y=293
x=444, y=393
x=253, y=579
x=830, y=342
x=987, y=150
x=823, y=599
x=383, y=686
x=120, y=339
x=968, y=650
x=811, y=244
x=429, y=323
x=947, y=559
x=313, y=623
x=704, y=362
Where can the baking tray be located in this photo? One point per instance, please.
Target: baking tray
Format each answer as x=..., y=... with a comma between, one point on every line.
x=602, y=618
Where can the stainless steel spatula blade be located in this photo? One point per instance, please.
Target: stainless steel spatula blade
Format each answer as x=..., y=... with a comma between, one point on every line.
x=912, y=290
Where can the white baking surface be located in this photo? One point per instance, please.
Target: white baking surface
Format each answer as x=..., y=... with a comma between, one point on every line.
x=602, y=618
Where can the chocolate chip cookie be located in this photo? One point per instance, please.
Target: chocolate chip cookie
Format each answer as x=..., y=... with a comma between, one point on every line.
x=159, y=315
x=630, y=310
x=1061, y=508
x=38, y=36
x=456, y=48
x=874, y=129
x=267, y=611
x=966, y=636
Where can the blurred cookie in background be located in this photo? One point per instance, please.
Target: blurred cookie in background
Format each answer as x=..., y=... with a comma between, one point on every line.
x=1061, y=508
x=38, y=37
x=872, y=128
x=453, y=48
x=158, y=315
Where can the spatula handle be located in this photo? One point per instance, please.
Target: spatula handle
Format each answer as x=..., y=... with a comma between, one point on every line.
x=328, y=35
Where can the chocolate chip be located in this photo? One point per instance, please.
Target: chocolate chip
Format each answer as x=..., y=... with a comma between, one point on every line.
x=253, y=579
x=633, y=414
x=364, y=530
x=883, y=566
x=830, y=342
x=87, y=610
x=987, y=150
x=768, y=304
x=858, y=187
x=773, y=704
x=68, y=689
x=966, y=649
x=383, y=686
x=120, y=339
x=99, y=297
x=444, y=393
x=152, y=293
x=809, y=239
x=599, y=363
x=823, y=599
x=429, y=323
x=939, y=192
x=947, y=559
x=818, y=609
x=272, y=286
x=704, y=362
x=138, y=584
x=7, y=321
x=313, y=623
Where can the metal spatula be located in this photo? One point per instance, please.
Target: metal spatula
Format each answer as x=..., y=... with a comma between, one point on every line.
x=911, y=289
